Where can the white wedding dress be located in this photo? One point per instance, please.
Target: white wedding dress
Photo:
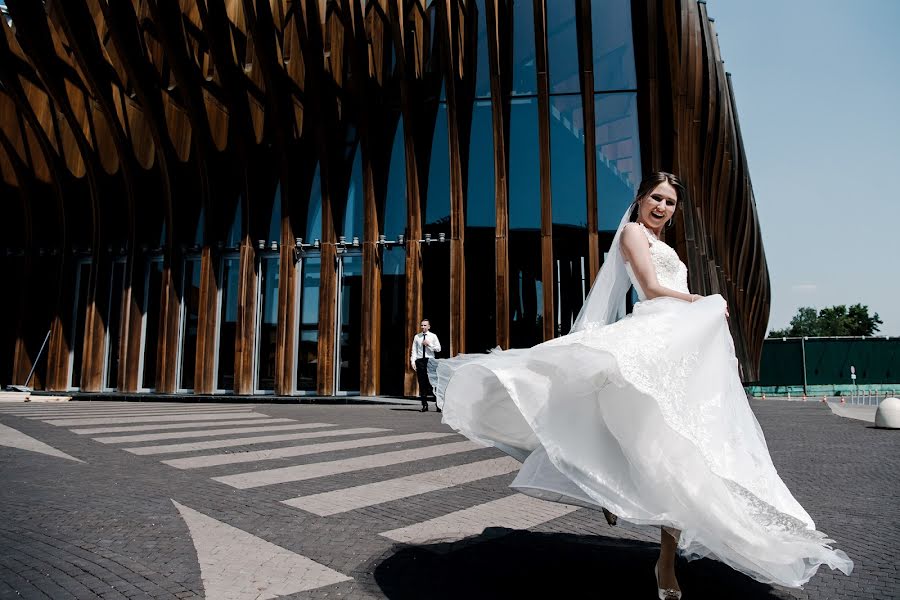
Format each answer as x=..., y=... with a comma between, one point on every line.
x=648, y=418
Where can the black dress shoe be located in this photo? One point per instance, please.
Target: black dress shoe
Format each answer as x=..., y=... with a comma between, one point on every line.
x=424, y=408
x=438, y=408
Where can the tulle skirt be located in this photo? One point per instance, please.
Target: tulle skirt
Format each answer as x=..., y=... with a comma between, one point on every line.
x=648, y=418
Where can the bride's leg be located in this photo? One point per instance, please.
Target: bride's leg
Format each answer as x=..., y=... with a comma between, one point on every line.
x=668, y=544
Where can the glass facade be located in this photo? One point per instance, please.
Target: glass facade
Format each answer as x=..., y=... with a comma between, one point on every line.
x=231, y=221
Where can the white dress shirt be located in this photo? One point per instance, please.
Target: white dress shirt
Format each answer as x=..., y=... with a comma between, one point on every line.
x=421, y=351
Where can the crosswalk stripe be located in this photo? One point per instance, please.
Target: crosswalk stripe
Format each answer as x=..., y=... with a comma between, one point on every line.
x=515, y=512
x=110, y=413
x=155, y=419
x=143, y=408
x=177, y=435
x=127, y=428
x=215, y=460
x=246, y=441
x=347, y=499
x=323, y=469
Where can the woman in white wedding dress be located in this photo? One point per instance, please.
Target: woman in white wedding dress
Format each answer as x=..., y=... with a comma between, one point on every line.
x=644, y=415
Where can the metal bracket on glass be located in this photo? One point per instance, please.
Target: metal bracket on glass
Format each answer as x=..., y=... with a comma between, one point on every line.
x=300, y=248
x=386, y=243
x=442, y=237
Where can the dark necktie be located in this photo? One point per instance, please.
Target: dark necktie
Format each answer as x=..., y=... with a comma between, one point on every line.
x=423, y=345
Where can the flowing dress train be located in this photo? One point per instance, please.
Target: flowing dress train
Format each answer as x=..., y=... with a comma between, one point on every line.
x=648, y=418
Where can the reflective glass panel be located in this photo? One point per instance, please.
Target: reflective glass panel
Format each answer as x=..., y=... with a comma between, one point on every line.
x=395, y=200
x=567, y=161
x=562, y=46
x=114, y=323
x=618, y=156
x=152, y=299
x=308, y=344
x=613, y=46
x=482, y=68
x=524, y=166
x=275, y=220
x=79, y=315
x=481, y=280
x=235, y=229
x=190, y=315
x=267, y=324
x=314, y=209
x=394, y=342
x=348, y=327
x=437, y=211
x=353, y=214
x=524, y=71
x=228, y=314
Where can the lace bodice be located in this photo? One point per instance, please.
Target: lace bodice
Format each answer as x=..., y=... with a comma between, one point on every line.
x=670, y=271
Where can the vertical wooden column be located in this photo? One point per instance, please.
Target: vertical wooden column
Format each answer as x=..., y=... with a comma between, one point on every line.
x=499, y=25
x=370, y=336
x=327, y=288
x=452, y=40
x=169, y=325
x=245, y=345
x=543, y=96
x=94, y=342
x=132, y=321
x=586, y=62
x=207, y=325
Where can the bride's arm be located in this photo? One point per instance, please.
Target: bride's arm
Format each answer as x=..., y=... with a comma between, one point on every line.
x=636, y=250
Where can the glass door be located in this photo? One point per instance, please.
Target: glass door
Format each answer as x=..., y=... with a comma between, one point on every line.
x=150, y=321
x=307, y=338
x=266, y=320
x=230, y=270
x=349, y=312
x=79, y=315
x=114, y=324
x=190, y=320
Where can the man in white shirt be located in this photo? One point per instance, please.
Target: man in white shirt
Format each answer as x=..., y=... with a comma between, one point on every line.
x=425, y=345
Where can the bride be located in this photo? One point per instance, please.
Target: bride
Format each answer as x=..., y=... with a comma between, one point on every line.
x=644, y=415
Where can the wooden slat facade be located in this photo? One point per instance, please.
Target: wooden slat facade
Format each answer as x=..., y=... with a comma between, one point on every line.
x=158, y=156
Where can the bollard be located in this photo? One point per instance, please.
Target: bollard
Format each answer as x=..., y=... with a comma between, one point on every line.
x=843, y=401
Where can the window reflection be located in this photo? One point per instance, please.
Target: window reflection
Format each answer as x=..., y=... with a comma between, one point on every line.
x=267, y=320
x=526, y=303
x=349, y=322
x=437, y=210
x=114, y=323
x=228, y=315
x=308, y=344
x=613, y=45
x=562, y=46
x=482, y=68
x=190, y=316
x=152, y=299
x=480, y=260
x=394, y=351
x=618, y=156
x=524, y=70
x=79, y=315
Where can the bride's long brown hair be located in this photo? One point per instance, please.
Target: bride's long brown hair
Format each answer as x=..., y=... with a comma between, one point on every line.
x=649, y=184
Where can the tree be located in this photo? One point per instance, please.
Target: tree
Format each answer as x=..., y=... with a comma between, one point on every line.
x=832, y=321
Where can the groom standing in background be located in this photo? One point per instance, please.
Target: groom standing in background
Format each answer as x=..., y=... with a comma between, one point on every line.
x=425, y=345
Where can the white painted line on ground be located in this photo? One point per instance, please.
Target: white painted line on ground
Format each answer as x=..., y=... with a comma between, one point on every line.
x=78, y=410
x=246, y=441
x=236, y=565
x=347, y=499
x=177, y=435
x=156, y=419
x=215, y=460
x=132, y=413
x=127, y=428
x=13, y=438
x=515, y=512
x=254, y=479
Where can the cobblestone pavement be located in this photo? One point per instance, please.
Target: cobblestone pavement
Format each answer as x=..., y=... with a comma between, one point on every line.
x=152, y=500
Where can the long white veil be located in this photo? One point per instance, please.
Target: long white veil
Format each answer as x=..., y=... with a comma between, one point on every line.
x=605, y=303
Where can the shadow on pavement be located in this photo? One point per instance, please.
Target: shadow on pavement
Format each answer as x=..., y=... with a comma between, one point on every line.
x=523, y=564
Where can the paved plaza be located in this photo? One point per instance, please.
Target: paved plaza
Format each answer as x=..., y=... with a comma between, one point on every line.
x=247, y=501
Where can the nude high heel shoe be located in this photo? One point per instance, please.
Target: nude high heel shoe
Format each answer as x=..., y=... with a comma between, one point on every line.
x=665, y=593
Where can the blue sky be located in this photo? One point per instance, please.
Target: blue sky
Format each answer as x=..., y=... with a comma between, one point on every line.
x=817, y=85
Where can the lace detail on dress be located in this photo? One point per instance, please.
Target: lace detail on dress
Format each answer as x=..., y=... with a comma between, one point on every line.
x=670, y=271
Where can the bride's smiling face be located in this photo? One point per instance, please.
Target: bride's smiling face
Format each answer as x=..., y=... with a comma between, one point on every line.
x=658, y=206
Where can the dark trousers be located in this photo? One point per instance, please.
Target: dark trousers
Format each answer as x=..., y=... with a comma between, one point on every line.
x=425, y=389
